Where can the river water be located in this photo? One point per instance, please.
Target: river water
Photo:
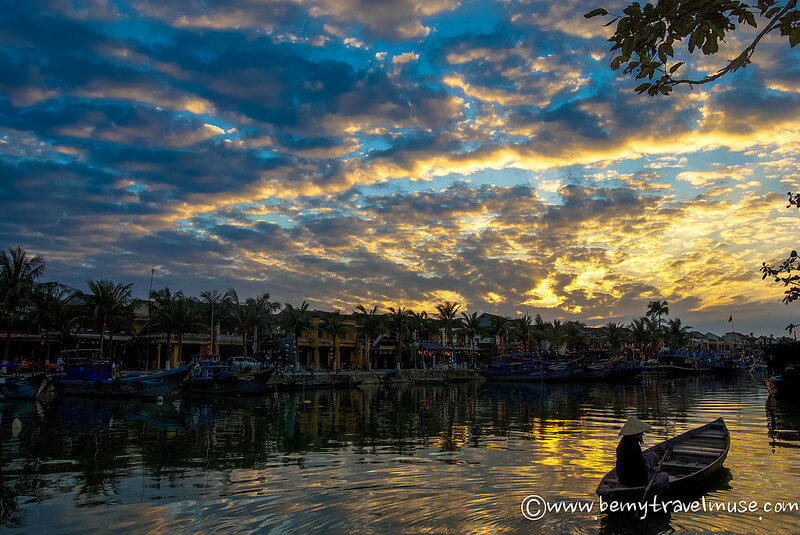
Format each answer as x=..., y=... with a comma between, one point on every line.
x=433, y=459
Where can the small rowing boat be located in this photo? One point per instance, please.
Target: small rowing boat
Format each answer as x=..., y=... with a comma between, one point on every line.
x=692, y=458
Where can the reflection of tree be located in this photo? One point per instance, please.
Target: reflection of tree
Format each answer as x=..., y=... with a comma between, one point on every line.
x=783, y=423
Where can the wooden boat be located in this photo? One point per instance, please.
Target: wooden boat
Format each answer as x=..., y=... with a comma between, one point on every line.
x=594, y=370
x=22, y=387
x=94, y=379
x=222, y=380
x=786, y=385
x=695, y=457
x=683, y=365
x=526, y=372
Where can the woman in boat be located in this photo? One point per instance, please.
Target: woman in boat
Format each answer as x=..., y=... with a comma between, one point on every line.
x=634, y=469
x=631, y=465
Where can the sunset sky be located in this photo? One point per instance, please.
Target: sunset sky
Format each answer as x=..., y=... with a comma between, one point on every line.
x=400, y=152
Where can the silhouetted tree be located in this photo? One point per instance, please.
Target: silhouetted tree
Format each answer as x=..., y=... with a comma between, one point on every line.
x=646, y=36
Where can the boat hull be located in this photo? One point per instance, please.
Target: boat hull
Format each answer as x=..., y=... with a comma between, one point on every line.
x=783, y=389
x=145, y=387
x=545, y=373
x=231, y=385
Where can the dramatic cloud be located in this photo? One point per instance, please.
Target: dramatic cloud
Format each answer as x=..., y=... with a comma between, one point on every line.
x=348, y=152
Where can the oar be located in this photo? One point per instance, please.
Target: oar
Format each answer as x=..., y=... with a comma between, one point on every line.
x=647, y=489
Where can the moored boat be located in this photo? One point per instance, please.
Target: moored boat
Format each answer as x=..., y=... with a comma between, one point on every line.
x=692, y=459
x=221, y=380
x=683, y=365
x=529, y=371
x=594, y=370
x=94, y=379
x=22, y=387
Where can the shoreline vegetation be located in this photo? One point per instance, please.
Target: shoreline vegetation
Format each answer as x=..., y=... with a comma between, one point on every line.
x=40, y=319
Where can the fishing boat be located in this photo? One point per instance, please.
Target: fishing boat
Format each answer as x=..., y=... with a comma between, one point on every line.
x=529, y=371
x=683, y=365
x=692, y=459
x=785, y=385
x=22, y=387
x=728, y=364
x=219, y=379
x=95, y=379
x=594, y=370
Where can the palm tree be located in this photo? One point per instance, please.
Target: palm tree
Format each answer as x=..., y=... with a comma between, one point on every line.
x=174, y=314
x=500, y=326
x=678, y=333
x=370, y=322
x=446, y=312
x=107, y=303
x=50, y=309
x=18, y=274
x=214, y=298
x=334, y=325
x=557, y=335
x=641, y=332
x=614, y=335
x=573, y=334
x=657, y=309
x=239, y=315
x=259, y=311
x=418, y=321
x=472, y=324
x=398, y=323
x=540, y=328
x=525, y=328
x=296, y=321
x=655, y=330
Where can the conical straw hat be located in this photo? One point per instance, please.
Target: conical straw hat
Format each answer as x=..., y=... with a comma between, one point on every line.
x=634, y=427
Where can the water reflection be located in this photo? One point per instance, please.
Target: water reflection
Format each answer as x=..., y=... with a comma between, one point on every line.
x=431, y=458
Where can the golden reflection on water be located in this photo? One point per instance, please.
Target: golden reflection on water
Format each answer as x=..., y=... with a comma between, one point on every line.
x=430, y=459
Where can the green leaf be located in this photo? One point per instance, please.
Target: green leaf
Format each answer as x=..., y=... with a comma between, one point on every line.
x=596, y=12
x=675, y=67
x=642, y=88
x=794, y=37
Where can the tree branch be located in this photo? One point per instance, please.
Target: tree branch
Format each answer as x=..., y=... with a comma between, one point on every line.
x=744, y=58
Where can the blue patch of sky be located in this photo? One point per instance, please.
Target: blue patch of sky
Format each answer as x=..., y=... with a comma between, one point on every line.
x=144, y=31
x=469, y=17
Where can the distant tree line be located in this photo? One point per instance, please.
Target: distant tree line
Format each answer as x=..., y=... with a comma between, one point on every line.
x=107, y=307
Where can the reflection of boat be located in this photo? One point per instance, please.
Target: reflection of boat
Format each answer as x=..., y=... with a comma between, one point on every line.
x=222, y=380
x=92, y=378
x=23, y=387
x=695, y=457
x=783, y=423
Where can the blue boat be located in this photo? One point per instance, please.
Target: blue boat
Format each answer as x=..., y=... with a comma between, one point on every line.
x=22, y=387
x=94, y=379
